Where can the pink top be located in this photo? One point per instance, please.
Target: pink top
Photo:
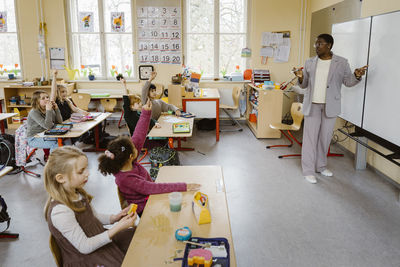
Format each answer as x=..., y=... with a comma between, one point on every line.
x=136, y=185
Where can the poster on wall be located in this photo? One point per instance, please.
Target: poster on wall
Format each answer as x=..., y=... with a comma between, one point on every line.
x=159, y=35
x=86, y=21
x=3, y=21
x=117, y=22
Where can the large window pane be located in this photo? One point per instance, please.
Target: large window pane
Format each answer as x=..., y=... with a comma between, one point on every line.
x=201, y=53
x=119, y=55
x=9, y=7
x=230, y=53
x=117, y=6
x=200, y=16
x=78, y=6
x=87, y=52
x=232, y=16
x=9, y=54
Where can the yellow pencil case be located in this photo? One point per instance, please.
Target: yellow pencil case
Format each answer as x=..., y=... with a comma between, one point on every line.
x=200, y=207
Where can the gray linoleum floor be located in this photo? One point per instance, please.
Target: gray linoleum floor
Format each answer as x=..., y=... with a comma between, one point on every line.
x=277, y=218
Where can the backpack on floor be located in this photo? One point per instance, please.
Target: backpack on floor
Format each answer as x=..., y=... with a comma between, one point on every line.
x=3, y=214
x=7, y=151
x=206, y=124
x=162, y=156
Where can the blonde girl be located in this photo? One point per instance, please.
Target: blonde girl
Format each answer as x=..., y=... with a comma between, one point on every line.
x=132, y=179
x=75, y=225
x=43, y=115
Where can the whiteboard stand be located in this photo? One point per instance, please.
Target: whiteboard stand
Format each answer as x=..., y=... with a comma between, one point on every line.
x=361, y=154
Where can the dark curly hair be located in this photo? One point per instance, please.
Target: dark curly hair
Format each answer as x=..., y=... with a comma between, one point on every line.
x=327, y=38
x=122, y=147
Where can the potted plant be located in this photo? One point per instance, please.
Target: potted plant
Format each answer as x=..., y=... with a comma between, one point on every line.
x=113, y=70
x=91, y=75
x=12, y=74
x=128, y=70
x=83, y=70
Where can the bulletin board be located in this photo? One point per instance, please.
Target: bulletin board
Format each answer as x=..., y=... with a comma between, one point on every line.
x=159, y=32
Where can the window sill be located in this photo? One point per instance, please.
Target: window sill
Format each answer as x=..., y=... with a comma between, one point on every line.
x=222, y=81
x=101, y=81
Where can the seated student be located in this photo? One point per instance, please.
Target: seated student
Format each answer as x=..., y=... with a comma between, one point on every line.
x=132, y=107
x=149, y=92
x=75, y=225
x=131, y=177
x=43, y=115
x=59, y=94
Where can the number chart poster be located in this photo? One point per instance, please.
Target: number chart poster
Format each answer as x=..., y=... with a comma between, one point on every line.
x=159, y=35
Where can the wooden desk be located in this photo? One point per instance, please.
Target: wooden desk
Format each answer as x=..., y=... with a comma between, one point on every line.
x=209, y=94
x=6, y=170
x=154, y=240
x=4, y=116
x=79, y=129
x=166, y=130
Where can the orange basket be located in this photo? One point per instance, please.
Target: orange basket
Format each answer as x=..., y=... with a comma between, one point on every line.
x=253, y=117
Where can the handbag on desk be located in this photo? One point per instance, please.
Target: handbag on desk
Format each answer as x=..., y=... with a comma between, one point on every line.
x=59, y=129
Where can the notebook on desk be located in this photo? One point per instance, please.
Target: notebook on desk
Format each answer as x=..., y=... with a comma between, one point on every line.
x=181, y=127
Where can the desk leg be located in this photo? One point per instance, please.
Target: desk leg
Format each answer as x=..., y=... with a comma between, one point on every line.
x=60, y=143
x=3, y=130
x=217, y=120
x=184, y=105
x=96, y=140
x=179, y=147
x=171, y=143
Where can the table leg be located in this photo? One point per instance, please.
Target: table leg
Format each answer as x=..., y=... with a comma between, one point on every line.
x=3, y=130
x=96, y=140
x=60, y=143
x=180, y=148
x=217, y=120
x=171, y=143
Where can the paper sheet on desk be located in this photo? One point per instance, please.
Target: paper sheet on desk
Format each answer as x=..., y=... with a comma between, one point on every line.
x=173, y=119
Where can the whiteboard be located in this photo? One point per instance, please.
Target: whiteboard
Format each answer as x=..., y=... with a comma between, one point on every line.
x=382, y=97
x=351, y=41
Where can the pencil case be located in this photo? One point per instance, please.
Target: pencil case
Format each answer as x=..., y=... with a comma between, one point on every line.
x=200, y=207
x=219, y=246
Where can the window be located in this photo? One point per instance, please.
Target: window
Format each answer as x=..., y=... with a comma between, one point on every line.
x=9, y=52
x=101, y=37
x=215, y=36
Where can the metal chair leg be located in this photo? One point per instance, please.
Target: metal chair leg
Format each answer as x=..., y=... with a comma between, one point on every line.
x=234, y=122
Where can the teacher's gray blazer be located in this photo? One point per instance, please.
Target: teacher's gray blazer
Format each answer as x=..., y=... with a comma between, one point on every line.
x=339, y=73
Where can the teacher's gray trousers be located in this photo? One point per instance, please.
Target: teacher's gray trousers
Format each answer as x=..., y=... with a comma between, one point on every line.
x=317, y=135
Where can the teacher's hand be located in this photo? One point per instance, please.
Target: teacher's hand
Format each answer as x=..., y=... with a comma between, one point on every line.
x=298, y=72
x=360, y=72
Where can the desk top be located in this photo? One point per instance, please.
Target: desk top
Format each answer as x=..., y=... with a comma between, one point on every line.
x=207, y=93
x=6, y=170
x=154, y=240
x=79, y=128
x=166, y=122
x=4, y=116
x=116, y=96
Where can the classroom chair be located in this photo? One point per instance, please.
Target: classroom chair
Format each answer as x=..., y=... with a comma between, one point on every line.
x=175, y=95
x=122, y=200
x=159, y=90
x=81, y=100
x=297, y=114
x=235, y=96
x=55, y=250
x=108, y=104
x=145, y=151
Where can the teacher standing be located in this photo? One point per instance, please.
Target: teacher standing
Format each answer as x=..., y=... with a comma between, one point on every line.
x=322, y=77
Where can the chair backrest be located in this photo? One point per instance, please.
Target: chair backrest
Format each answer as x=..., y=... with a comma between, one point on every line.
x=108, y=104
x=297, y=114
x=122, y=200
x=81, y=100
x=159, y=90
x=56, y=251
x=235, y=95
x=175, y=95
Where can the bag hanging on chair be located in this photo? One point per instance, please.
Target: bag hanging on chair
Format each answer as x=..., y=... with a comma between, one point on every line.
x=162, y=156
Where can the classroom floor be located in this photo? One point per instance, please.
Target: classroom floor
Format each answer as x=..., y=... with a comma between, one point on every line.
x=277, y=218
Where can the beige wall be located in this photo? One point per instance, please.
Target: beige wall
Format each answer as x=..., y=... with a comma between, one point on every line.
x=320, y=4
x=370, y=8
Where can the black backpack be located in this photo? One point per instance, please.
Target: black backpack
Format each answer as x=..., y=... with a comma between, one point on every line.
x=4, y=217
x=7, y=151
x=206, y=124
x=162, y=156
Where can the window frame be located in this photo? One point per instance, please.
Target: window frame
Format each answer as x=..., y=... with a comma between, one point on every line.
x=17, y=33
x=102, y=37
x=216, y=35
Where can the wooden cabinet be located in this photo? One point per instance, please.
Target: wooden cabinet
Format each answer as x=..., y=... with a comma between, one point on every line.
x=267, y=107
x=19, y=90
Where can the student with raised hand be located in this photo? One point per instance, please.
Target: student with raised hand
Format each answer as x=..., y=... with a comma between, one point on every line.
x=322, y=78
x=43, y=115
x=149, y=92
x=132, y=179
x=59, y=94
x=132, y=107
x=74, y=223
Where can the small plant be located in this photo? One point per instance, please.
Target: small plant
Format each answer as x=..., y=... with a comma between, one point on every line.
x=128, y=70
x=113, y=70
x=90, y=71
x=223, y=72
x=15, y=71
x=83, y=70
x=1, y=70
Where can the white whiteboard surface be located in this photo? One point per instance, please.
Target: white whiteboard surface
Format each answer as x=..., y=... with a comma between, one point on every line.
x=382, y=99
x=351, y=42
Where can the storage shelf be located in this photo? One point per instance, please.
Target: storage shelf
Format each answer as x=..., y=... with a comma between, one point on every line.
x=19, y=106
x=254, y=105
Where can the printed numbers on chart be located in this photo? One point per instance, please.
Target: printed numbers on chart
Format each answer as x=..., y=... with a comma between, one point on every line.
x=154, y=34
x=175, y=47
x=174, y=23
x=143, y=34
x=176, y=60
x=165, y=59
x=164, y=22
x=153, y=23
x=174, y=12
x=164, y=34
x=153, y=12
x=144, y=58
x=142, y=12
x=154, y=46
x=143, y=46
x=175, y=35
x=164, y=12
x=164, y=46
x=142, y=23
x=154, y=58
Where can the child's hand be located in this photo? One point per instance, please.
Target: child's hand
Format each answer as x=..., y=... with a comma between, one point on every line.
x=123, y=81
x=123, y=223
x=157, y=125
x=115, y=218
x=54, y=105
x=49, y=106
x=86, y=113
x=148, y=105
x=153, y=75
x=193, y=187
x=178, y=113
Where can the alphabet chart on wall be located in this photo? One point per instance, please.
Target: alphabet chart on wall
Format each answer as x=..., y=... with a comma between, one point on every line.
x=159, y=35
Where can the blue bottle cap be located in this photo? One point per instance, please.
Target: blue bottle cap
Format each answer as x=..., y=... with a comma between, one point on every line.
x=183, y=234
